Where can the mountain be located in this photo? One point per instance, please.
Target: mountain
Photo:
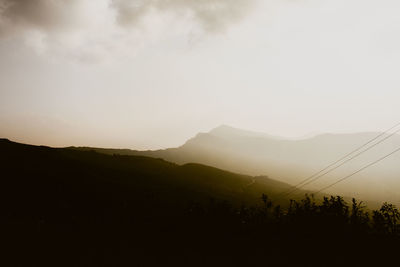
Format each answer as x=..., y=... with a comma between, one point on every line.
x=68, y=207
x=45, y=169
x=291, y=161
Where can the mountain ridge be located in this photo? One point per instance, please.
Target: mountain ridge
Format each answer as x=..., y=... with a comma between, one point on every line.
x=290, y=160
x=193, y=177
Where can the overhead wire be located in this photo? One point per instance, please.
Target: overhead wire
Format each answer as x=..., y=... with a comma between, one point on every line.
x=318, y=174
x=343, y=163
x=358, y=171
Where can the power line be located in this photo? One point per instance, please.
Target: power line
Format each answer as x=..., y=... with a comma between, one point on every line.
x=360, y=170
x=341, y=164
x=295, y=187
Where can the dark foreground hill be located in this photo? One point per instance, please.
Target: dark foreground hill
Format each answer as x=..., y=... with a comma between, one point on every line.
x=63, y=207
x=41, y=166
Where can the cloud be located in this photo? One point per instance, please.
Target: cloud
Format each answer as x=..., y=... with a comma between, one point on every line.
x=51, y=15
x=213, y=15
x=74, y=27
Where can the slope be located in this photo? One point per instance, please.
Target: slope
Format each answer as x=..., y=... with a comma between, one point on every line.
x=291, y=161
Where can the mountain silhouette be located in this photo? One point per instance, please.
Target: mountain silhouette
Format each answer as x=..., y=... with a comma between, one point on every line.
x=68, y=207
x=43, y=167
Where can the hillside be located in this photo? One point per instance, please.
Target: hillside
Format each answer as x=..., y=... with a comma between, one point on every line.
x=79, y=169
x=53, y=197
x=67, y=207
x=291, y=161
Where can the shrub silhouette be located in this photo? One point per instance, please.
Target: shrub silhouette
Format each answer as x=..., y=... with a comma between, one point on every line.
x=386, y=219
x=332, y=215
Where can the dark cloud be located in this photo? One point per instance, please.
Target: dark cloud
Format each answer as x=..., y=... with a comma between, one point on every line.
x=77, y=26
x=44, y=15
x=50, y=15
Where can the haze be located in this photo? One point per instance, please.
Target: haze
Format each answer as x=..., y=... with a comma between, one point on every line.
x=152, y=74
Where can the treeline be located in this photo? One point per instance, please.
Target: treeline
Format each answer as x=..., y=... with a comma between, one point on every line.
x=331, y=214
x=309, y=232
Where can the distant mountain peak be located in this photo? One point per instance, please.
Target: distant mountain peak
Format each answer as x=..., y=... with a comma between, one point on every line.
x=224, y=127
x=226, y=130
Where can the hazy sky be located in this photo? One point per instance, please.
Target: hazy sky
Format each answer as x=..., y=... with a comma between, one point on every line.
x=153, y=73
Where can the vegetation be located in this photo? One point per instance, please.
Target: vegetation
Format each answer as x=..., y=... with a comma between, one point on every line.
x=63, y=207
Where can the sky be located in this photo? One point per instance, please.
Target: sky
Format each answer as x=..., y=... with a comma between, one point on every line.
x=151, y=74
